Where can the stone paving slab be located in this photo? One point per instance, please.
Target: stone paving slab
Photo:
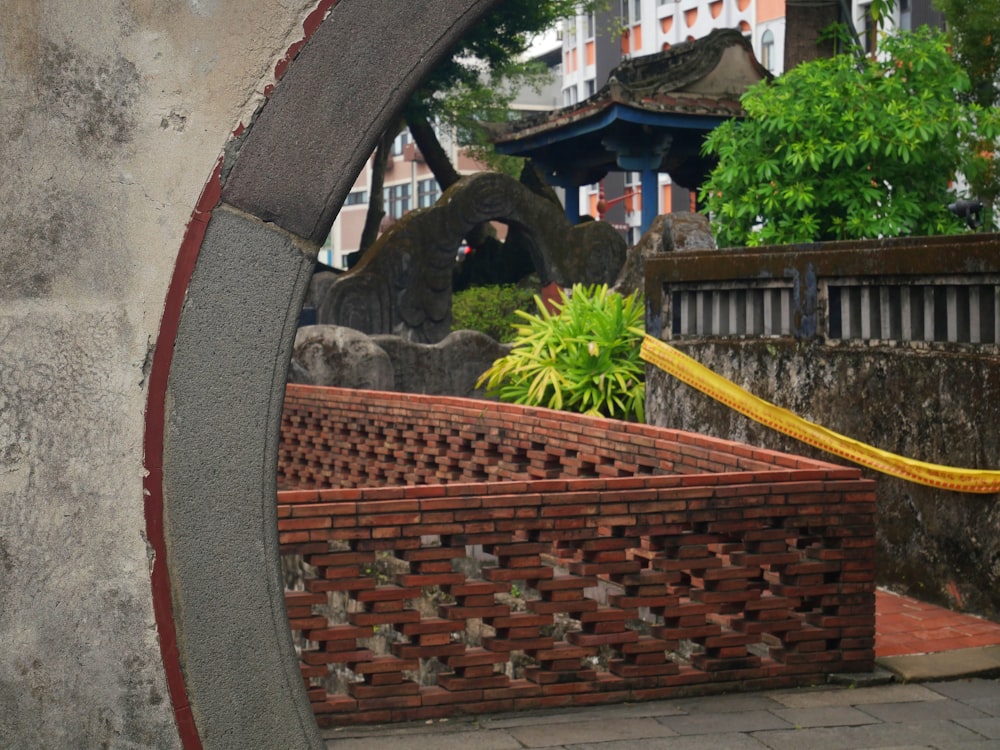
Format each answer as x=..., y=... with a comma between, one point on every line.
x=915, y=712
x=723, y=704
x=443, y=739
x=935, y=734
x=824, y=716
x=573, y=715
x=964, y=662
x=989, y=728
x=974, y=692
x=860, y=696
x=732, y=722
x=945, y=715
x=697, y=742
x=588, y=732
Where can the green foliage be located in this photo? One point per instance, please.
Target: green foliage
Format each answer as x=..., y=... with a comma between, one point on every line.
x=582, y=358
x=482, y=75
x=490, y=309
x=845, y=148
x=974, y=29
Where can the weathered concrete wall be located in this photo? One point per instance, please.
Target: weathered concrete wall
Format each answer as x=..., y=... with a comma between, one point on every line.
x=941, y=406
x=114, y=115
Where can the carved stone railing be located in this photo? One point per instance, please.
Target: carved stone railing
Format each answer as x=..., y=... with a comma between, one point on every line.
x=937, y=289
x=480, y=557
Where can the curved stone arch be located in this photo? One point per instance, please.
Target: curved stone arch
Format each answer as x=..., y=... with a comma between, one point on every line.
x=402, y=285
x=217, y=379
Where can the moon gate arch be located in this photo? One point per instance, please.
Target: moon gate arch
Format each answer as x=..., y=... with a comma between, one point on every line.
x=217, y=379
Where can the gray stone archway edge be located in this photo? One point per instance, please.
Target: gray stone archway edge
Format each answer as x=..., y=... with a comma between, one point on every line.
x=217, y=384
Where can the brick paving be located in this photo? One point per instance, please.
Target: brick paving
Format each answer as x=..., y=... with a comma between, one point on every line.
x=907, y=626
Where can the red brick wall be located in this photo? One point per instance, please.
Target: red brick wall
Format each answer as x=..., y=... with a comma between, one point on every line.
x=682, y=565
x=333, y=437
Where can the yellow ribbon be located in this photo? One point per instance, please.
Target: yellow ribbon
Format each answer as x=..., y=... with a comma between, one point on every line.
x=682, y=367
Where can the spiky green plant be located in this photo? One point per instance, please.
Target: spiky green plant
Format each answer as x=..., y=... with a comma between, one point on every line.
x=584, y=357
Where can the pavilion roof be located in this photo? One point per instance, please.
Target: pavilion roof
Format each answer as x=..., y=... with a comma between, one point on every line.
x=665, y=102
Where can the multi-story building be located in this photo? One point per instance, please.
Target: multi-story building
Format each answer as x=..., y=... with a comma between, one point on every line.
x=408, y=184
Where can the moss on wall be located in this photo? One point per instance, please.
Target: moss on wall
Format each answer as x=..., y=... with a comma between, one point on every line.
x=939, y=404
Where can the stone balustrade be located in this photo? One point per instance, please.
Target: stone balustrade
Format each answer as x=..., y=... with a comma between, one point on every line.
x=927, y=289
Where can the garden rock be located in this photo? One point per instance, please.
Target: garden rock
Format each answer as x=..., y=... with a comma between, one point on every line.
x=403, y=284
x=341, y=357
x=448, y=368
x=668, y=233
x=346, y=358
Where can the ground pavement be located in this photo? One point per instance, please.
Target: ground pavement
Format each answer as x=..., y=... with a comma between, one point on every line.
x=936, y=689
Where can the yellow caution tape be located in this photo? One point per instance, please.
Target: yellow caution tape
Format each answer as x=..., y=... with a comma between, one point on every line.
x=682, y=367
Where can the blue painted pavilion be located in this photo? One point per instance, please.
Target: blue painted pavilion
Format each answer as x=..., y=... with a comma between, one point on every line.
x=650, y=117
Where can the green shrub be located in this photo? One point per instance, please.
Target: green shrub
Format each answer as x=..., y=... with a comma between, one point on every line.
x=841, y=148
x=490, y=309
x=583, y=358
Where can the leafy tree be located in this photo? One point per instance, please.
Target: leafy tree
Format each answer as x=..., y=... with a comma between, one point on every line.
x=844, y=148
x=974, y=28
x=975, y=33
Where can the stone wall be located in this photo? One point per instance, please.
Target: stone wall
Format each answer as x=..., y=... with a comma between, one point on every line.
x=933, y=400
x=113, y=117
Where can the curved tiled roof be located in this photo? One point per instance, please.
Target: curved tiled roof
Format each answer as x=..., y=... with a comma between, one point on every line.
x=704, y=77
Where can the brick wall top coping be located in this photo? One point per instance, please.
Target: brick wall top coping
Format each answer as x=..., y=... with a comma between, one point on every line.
x=557, y=432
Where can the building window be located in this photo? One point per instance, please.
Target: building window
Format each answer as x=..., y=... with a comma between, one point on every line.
x=397, y=200
x=570, y=32
x=401, y=140
x=590, y=85
x=428, y=193
x=591, y=25
x=357, y=198
x=905, y=18
x=635, y=12
x=767, y=50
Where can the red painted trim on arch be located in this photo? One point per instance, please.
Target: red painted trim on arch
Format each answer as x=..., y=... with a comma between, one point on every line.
x=309, y=25
x=155, y=421
x=153, y=456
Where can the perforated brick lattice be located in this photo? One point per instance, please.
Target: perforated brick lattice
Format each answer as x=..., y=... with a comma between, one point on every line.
x=450, y=570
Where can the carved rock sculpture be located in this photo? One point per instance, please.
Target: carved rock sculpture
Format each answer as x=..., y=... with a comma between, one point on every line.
x=402, y=285
x=668, y=232
x=343, y=357
x=450, y=367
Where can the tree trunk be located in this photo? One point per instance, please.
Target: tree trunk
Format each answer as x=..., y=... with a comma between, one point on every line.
x=376, y=202
x=435, y=157
x=438, y=161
